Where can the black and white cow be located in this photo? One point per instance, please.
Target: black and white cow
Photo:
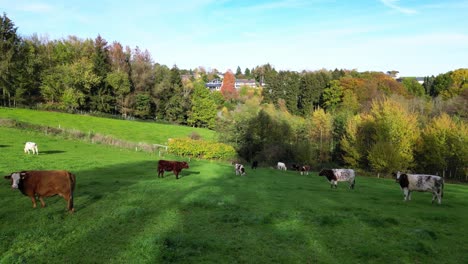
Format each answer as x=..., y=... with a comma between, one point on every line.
x=336, y=175
x=421, y=183
x=240, y=170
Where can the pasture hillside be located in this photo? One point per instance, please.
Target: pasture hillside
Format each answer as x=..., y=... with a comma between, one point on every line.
x=133, y=131
x=125, y=214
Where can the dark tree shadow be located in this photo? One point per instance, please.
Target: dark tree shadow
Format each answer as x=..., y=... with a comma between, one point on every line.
x=4, y=146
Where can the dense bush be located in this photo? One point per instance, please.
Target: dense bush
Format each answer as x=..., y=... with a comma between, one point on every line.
x=201, y=149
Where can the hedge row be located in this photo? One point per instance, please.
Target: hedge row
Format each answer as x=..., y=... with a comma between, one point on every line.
x=201, y=149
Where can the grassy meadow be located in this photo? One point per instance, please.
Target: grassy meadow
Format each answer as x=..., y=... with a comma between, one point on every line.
x=135, y=131
x=125, y=214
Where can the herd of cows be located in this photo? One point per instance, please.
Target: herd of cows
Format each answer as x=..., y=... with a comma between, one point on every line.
x=40, y=184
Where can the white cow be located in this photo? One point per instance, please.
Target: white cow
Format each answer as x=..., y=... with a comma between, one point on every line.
x=421, y=183
x=281, y=166
x=31, y=146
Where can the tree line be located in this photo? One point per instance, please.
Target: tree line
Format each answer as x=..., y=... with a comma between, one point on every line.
x=367, y=120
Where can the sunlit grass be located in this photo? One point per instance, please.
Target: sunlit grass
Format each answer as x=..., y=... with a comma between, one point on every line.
x=134, y=131
x=125, y=214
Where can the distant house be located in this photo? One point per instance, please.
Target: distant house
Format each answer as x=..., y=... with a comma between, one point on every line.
x=420, y=80
x=245, y=82
x=214, y=85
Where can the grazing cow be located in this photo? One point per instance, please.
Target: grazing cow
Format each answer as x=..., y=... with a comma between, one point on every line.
x=254, y=164
x=281, y=166
x=305, y=170
x=44, y=184
x=31, y=146
x=421, y=183
x=336, y=175
x=240, y=170
x=174, y=166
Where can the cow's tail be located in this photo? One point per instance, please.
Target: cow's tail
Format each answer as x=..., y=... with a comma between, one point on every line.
x=72, y=190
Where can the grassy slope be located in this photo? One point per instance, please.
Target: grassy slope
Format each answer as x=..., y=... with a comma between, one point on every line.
x=122, y=129
x=125, y=214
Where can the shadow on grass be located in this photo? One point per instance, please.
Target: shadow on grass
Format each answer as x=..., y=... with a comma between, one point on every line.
x=5, y=146
x=125, y=213
x=47, y=152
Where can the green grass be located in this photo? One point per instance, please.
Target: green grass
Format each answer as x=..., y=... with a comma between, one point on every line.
x=125, y=214
x=134, y=131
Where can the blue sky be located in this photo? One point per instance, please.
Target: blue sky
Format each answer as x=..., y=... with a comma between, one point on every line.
x=417, y=38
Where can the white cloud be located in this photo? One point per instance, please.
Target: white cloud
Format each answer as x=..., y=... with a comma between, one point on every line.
x=393, y=4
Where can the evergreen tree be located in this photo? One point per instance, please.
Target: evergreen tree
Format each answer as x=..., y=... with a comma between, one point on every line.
x=238, y=72
x=9, y=59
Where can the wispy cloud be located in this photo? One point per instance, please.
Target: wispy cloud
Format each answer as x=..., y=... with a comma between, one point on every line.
x=393, y=4
x=36, y=7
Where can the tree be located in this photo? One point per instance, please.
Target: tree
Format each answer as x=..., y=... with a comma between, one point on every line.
x=443, y=147
x=321, y=133
x=120, y=84
x=203, y=112
x=9, y=58
x=395, y=128
x=332, y=95
x=228, y=87
x=102, y=96
x=442, y=82
x=413, y=86
x=311, y=88
x=247, y=73
x=239, y=72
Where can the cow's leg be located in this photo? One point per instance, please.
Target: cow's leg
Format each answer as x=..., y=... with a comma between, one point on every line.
x=42, y=201
x=70, y=203
x=176, y=174
x=409, y=195
x=33, y=200
x=405, y=194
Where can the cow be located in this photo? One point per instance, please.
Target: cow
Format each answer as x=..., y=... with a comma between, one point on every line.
x=174, y=166
x=305, y=170
x=336, y=175
x=421, y=183
x=31, y=146
x=281, y=166
x=44, y=183
x=254, y=165
x=239, y=168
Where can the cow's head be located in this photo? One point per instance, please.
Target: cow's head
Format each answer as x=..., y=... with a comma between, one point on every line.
x=15, y=179
x=324, y=172
x=396, y=175
x=185, y=165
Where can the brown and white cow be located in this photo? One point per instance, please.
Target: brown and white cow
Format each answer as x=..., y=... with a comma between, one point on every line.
x=169, y=165
x=421, y=183
x=336, y=175
x=239, y=168
x=44, y=184
x=304, y=170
